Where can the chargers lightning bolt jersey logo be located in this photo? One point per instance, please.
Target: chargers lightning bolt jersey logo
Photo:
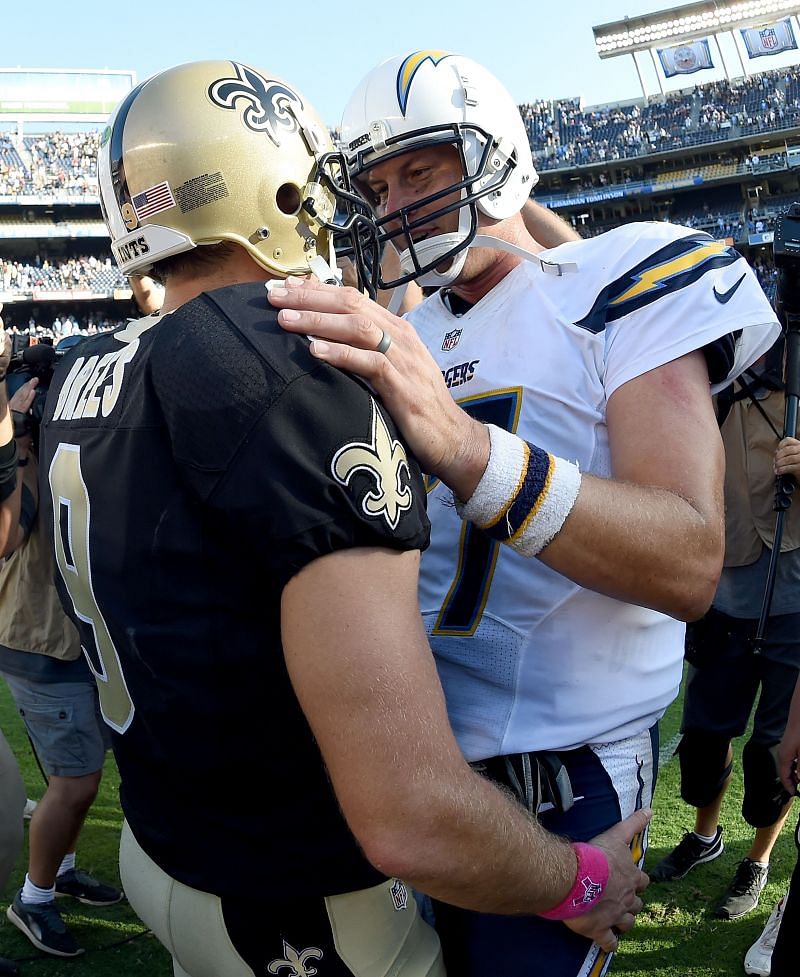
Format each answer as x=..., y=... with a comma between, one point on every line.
x=669, y=269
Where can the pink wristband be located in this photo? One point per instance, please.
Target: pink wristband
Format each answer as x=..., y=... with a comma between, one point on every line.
x=591, y=880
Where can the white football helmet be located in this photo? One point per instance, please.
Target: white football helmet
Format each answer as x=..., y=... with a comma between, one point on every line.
x=216, y=151
x=429, y=98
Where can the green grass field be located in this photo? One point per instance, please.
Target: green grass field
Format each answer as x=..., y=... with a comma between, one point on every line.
x=675, y=936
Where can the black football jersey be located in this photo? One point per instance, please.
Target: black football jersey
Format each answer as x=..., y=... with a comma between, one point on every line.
x=193, y=464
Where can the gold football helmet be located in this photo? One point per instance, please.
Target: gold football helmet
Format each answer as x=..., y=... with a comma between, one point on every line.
x=216, y=151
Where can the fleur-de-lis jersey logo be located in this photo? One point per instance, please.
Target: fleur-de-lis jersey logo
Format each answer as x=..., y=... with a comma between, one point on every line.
x=385, y=459
x=270, y=106
x=294, y=962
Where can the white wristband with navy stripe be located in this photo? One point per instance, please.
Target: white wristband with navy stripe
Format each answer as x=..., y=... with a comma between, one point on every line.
x=525, y=494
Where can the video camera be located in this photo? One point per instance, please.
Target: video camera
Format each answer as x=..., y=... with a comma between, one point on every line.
x=786, y=251
x=28, y=361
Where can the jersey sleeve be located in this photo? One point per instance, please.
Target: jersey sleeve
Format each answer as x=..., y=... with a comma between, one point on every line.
x=291, y=458
x=685, y=295
x=324, y=470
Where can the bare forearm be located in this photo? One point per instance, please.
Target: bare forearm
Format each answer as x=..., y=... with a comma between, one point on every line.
x=462, y=469
x=367, y=683
x=377, y=710
x=471, y=845
x=638, y=543
x=642, y=545
x=653, y=533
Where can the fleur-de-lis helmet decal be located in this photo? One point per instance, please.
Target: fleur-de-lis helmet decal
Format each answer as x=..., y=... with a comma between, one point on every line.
x=269, y=106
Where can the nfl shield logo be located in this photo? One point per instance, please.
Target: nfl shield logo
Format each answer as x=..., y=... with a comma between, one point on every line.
x=769, y=39
x=399, y=895
x=450, y=340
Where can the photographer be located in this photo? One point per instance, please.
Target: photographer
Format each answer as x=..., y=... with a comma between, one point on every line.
x=773, y=952
x=727, y=674
x=784, y=961
x=12, y=790
x=56, y=694
x=12, y=801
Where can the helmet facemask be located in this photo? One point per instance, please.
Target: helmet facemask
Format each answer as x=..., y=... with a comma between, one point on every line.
x=353, y=232
x=436, y=260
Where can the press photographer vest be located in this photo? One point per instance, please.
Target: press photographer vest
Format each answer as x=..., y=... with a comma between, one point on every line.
x=750, y=446
x=31, y=616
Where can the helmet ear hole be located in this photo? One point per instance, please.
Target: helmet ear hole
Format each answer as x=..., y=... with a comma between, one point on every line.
x=288, y=199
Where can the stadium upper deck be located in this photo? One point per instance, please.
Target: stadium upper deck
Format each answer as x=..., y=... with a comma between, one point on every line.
x=563, y=135
x=716, y=156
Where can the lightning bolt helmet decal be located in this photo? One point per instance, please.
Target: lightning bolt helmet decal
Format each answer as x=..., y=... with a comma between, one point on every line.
x=408, y=69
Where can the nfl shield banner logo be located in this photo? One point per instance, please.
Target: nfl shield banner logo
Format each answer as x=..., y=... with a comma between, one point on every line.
x=769, y=39
x=399, y=895
x=450, y=340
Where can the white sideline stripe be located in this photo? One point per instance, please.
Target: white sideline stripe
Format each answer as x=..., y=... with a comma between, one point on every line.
x=666, y=753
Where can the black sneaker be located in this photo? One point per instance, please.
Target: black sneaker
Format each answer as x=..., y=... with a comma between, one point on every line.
x=689, y=851
x=84, y=888
x=744, y=892
x=44, y=927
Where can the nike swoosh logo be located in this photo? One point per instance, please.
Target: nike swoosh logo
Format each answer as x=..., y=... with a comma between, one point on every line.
x=723, y=297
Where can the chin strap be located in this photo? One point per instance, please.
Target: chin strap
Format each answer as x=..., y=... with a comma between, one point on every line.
x=398, y=294
x=447, y=277
x=323, y=271
x=548, y=267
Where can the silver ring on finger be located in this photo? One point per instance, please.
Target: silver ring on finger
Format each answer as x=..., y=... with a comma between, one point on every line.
x=385, y=343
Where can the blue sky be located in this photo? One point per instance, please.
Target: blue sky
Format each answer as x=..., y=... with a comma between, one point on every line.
x=538, y=50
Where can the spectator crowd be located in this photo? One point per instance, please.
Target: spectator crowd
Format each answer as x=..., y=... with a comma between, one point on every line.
x=55, y=163
x=562, y=133
x=82, y=273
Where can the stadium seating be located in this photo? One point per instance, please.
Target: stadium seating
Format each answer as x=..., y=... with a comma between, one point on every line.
x=685, y=157
x=562, y=134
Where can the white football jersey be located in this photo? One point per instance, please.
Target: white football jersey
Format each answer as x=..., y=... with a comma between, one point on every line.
x=529, y=660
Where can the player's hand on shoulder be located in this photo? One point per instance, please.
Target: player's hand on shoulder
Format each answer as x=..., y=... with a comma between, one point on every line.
x=616, y=911
x=348, y=327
